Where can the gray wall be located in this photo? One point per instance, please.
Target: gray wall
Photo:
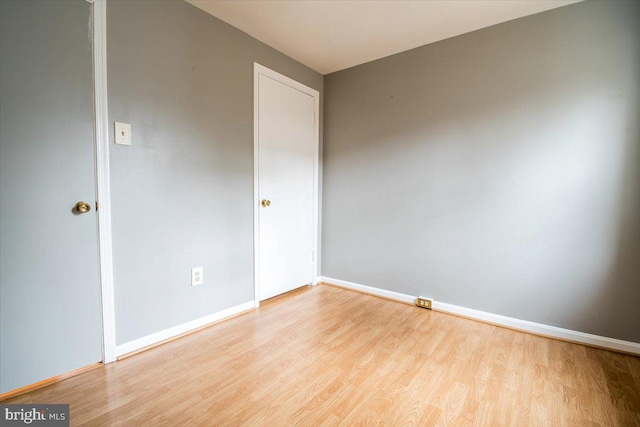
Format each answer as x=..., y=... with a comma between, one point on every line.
x=498, y=170
x=183, y=192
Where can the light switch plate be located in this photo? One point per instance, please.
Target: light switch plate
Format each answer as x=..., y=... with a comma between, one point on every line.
x=123, y=133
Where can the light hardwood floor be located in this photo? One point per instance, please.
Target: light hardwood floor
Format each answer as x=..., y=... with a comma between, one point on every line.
x=325, y=356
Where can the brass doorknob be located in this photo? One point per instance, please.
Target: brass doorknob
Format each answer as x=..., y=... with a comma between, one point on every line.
x=265, y=203
x=82, y=207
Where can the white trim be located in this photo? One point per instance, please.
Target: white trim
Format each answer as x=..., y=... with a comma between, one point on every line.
x=256, y=190
x=262, y=70
x=496, y=319
x=396, y=296
x=103, y=189
x=174, y=331
x=540, y=329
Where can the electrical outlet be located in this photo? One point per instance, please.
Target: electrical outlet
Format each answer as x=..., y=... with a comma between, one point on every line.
x=197, y=276
x=424, y=302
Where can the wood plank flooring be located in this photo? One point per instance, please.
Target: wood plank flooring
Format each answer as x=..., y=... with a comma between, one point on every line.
x=325, y=356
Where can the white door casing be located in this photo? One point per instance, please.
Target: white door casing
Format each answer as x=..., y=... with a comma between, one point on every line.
x=286, y=131
x=103, y=181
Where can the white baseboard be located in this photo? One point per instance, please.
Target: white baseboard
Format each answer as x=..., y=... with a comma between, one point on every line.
x=496, y=319
x=396, y=296
x=174, y=331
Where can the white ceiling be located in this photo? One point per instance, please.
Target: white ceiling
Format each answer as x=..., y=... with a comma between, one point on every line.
x=331, y=35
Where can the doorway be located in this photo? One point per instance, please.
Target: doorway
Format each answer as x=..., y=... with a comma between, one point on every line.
x=286, y=131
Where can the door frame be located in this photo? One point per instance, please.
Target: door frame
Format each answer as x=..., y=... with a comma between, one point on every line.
x=103, y=180
x=259, y=70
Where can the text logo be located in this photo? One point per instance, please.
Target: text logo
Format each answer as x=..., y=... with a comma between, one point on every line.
x=34, y=415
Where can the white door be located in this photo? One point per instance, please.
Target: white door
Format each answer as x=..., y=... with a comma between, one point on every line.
x=49, y=290
x=286, y=159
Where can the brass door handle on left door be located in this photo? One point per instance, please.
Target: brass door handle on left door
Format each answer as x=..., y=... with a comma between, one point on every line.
x=82, y=207
x=265, y=203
